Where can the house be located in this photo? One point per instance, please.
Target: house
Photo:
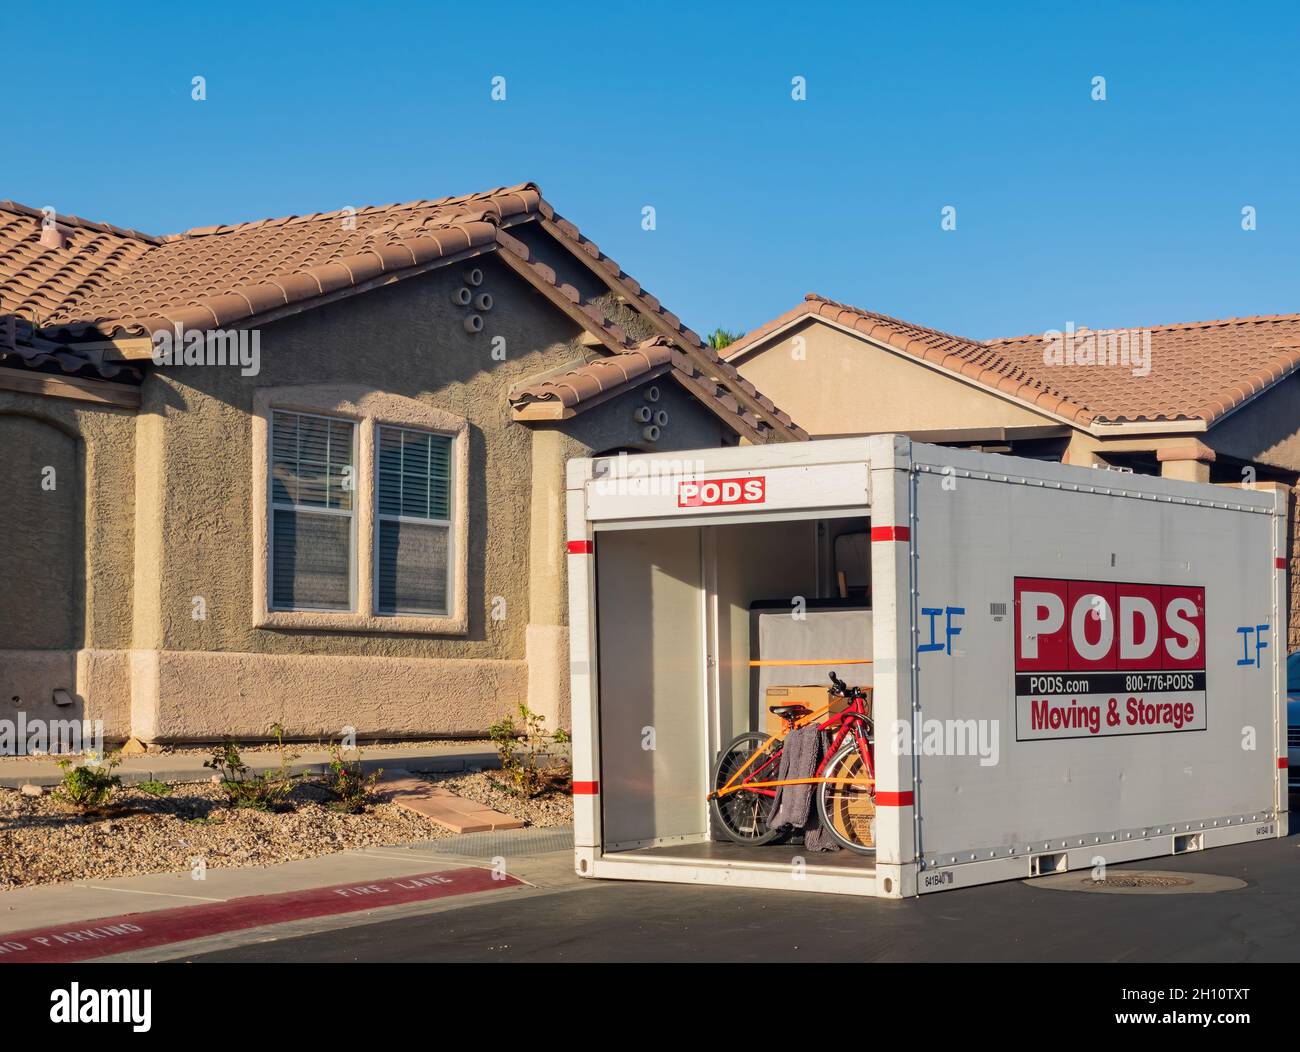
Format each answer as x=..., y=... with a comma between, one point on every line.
x=309, y=470
x=1215, y=401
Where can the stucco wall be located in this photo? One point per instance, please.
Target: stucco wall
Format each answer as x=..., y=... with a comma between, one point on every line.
x=602, y=429
x=407, y=339
x=66, y=580
x=41, y=516
x=844, y=385
x=1266, y=430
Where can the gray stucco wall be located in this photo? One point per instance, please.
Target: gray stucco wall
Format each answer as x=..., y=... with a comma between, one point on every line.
x=66, y=571
x=407, y=339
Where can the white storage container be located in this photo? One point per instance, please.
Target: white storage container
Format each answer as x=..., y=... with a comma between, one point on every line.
x=1072, y=667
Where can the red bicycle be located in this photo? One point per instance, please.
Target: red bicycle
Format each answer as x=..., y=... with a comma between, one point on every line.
x=745, y=777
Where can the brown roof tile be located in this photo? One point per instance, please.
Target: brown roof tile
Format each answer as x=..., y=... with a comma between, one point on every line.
x=1198, y=370
x=598, y=377
x=110, y=282
x=767, y=425
x=120, y=281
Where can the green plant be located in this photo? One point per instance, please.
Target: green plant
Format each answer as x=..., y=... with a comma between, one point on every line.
x=526, y=767
x=721, y=338
x=348, y=782
x=90, y=786
x=154, y=788
x=260, y=792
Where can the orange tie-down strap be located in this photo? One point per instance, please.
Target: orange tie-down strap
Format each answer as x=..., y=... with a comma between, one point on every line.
x=865, y=783
x=774, y=663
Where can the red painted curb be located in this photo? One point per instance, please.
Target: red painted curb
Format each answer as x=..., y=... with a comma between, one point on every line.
x=138, y=931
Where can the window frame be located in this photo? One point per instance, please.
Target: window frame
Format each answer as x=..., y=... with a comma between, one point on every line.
x=449, y=522
x=367, y=408
x=273, y=506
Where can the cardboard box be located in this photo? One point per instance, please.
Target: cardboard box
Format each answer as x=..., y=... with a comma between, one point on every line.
x=814, y=697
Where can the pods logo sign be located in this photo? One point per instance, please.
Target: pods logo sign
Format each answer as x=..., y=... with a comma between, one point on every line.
x=714, y=493
x=1084, y=625
x=1097, y=658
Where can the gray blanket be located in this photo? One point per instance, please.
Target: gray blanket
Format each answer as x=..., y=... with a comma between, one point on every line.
x=793, y=804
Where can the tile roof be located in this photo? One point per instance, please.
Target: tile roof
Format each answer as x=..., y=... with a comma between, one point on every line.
x=221, y=275
x=716, y=384
x=47, y=264
x=50, y=357
x=597, y=378
x=1197, y=370
x=711, y=369
x=95, y=281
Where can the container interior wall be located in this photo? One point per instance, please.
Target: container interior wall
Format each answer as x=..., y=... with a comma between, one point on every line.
x=775, y=561
x=675, y=631
x=650, y=630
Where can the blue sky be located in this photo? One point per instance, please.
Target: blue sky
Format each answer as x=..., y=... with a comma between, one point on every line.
x=1115, y=213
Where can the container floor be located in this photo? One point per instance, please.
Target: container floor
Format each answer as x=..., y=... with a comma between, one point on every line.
x=769, y=854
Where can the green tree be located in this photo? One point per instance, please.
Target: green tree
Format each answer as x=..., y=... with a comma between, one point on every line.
x=721, y=338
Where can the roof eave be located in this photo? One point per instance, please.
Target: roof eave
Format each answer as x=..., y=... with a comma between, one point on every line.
x=554, y=409
x=648, y=306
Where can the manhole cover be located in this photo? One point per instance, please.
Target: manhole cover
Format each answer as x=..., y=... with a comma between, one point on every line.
x=1139, y=882
x=1134, y=881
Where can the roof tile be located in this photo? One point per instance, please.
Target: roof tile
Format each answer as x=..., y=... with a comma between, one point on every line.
x=1196, y=370
x=109, y=281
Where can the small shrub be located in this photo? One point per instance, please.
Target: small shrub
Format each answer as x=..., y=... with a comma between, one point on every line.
x=351, y=786
x=525, y=767
x=259, y=792
x=154, y=788
x=90, y=786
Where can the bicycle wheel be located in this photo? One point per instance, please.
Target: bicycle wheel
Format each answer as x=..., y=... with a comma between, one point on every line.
x=848, y=811
x=741, y=815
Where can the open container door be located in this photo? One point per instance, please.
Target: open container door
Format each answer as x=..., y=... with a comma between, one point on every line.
x=663, y=580
x=650, y=624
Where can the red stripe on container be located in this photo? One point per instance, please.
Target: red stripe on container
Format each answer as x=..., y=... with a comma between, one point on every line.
x=1283, y=762
x=884, y=799
x=890, y=533
x=1280, y=563
x=581, y=547
x=586, y=788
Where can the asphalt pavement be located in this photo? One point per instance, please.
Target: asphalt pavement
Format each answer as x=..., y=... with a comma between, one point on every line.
x=615, y=921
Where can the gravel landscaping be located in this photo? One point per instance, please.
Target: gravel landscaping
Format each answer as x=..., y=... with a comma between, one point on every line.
x=43, y=841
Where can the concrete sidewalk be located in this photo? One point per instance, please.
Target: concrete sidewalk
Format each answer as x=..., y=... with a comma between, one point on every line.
x=519, y=853
x=17, y=771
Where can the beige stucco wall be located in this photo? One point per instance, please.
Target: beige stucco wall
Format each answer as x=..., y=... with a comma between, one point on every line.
x=197, y=535
x=40, y=477
x=68, y=592
x=1266, y=429
x=601, y=429
x=165, y=506
x=845, y=385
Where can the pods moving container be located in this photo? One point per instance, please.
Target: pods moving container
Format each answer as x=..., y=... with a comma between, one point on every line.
x=1071, y=666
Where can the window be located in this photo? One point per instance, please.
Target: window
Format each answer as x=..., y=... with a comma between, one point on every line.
x=413, y=522
x=312, y=483
x=360, y=512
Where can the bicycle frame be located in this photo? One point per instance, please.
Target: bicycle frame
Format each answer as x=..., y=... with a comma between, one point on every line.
x=849, y=721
